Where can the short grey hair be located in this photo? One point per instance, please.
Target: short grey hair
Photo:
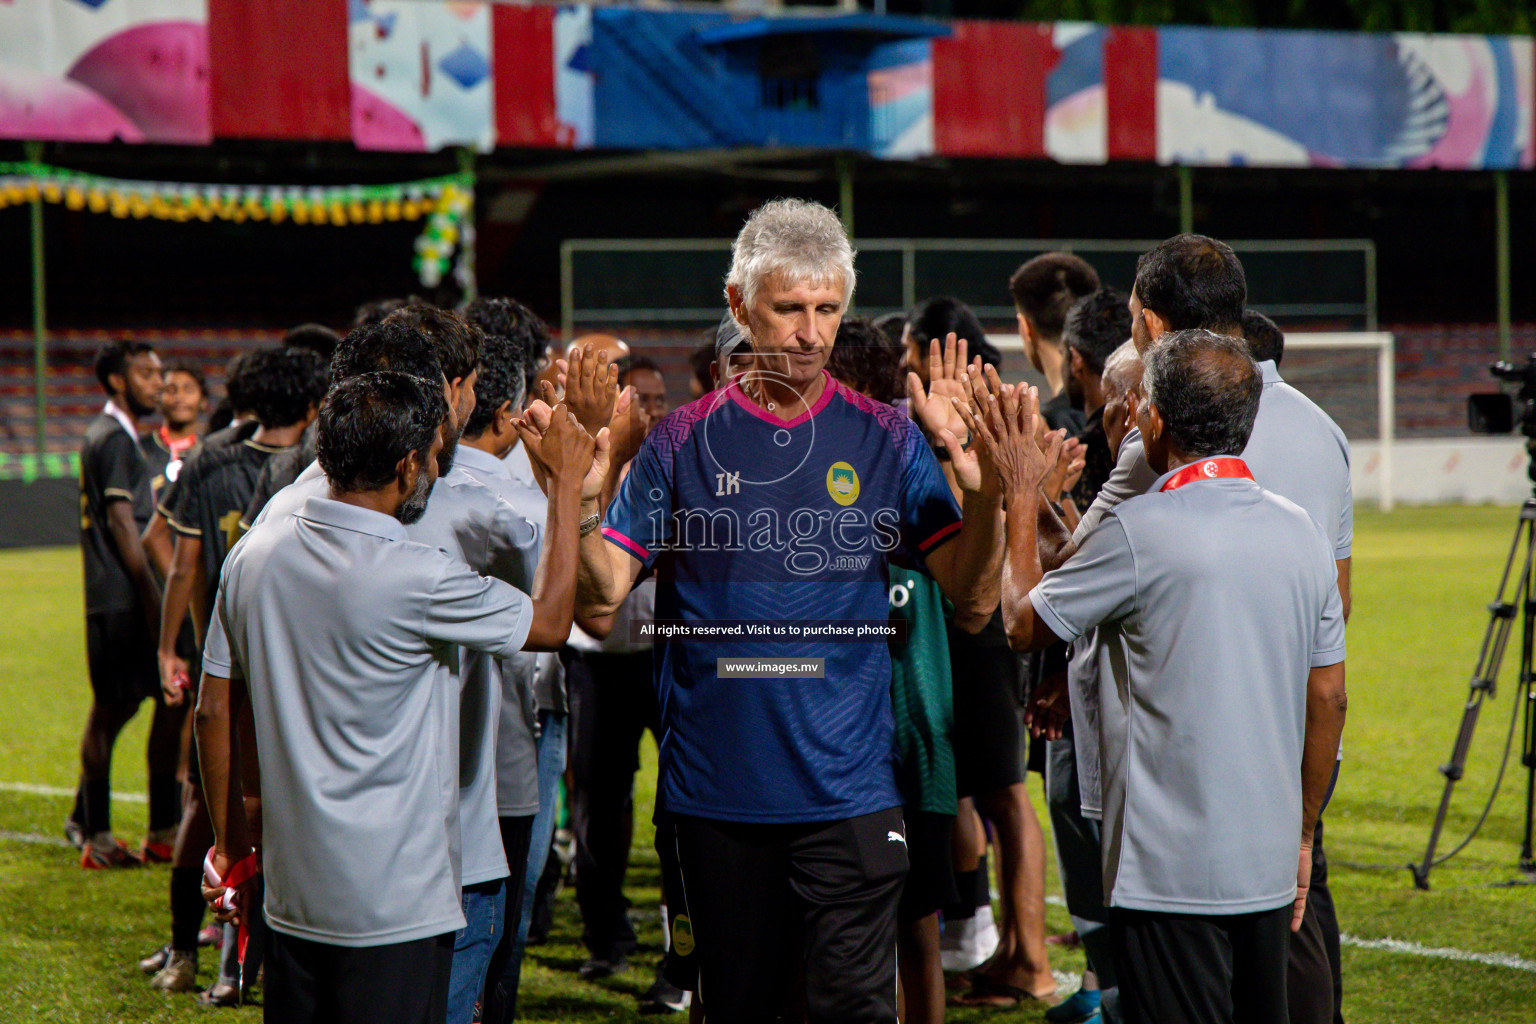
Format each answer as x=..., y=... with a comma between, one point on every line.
x=800, y=240
x=1123, y=370
x=1207, y=388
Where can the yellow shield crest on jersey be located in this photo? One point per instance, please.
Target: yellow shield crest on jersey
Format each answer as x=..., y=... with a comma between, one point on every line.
x=843, y=483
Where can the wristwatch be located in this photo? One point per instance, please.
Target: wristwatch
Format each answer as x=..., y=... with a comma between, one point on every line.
x=590, y=523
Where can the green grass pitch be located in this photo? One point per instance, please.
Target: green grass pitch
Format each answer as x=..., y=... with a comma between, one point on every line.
x=69, y=939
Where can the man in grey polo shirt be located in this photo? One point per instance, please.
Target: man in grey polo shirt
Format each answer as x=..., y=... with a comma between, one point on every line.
x=468, y=521
x=340, y=626
x=1220, y=602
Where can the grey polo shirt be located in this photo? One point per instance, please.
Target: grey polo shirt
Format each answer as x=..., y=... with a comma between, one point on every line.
x=1131, y=476
x=1215, y=601
x=468, y=521
x=549, y=685
x=342, y=628
x=513, y=750
x=1296, y=450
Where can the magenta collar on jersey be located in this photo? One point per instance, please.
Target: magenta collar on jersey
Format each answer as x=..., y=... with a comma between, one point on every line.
x=828, y=389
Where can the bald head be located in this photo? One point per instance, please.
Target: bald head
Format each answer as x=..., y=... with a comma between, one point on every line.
x=605, y=346
x=1202, y=394
x=1122, y=371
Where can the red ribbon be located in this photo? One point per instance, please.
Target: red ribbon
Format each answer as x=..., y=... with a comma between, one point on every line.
x=1221, y=467
x=245, y=869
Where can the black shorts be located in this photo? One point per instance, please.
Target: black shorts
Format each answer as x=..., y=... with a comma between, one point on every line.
x=931, y=878
x=120, y=657
x=815, y=900
x=679, y=966
x=990, y=741
x=1199, y=969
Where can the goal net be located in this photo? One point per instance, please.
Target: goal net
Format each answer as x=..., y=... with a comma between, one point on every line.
x=1349, y=374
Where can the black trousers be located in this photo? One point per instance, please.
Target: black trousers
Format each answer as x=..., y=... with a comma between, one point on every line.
x=498, y=1005
x=402, y=983
x=1198, y=969
x=1314, y=978
x=613, y=702
x=772, y=903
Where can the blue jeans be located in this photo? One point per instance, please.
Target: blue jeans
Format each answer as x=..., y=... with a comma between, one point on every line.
x=552, y=728
x=485, y=904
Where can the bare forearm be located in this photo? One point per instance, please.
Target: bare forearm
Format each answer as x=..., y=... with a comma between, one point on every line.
x=173, y=609
x=220, y=702
x=598, y=590
x=1326, y=707
x=1022, y=570
x=1054, y=542
x=130, y=549
x=974, y=582
x=554, y=587
x=157, y=545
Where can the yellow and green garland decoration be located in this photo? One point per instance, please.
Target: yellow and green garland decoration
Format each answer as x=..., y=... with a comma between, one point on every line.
x=447, y=204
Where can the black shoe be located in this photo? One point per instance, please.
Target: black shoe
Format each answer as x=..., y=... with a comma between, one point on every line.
x=596, y=969
x=664, y=997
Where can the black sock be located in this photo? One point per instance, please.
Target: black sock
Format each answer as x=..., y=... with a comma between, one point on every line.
x=78, y=814
x=98, y=807
x=983, y=882
x=164, y=802
x=187, y=908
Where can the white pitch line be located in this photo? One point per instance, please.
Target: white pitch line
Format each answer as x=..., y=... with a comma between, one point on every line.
x=36, y=790
x=33, y=837
x=1509, y=960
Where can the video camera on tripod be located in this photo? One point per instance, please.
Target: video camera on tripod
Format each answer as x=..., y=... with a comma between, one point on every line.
x=1515, y=601
x=1496, y=413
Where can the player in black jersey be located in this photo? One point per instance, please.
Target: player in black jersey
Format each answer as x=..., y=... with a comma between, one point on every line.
x=122, y=604
x=283, y=387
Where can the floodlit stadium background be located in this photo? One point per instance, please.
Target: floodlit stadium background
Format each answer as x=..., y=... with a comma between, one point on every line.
x=207, y=173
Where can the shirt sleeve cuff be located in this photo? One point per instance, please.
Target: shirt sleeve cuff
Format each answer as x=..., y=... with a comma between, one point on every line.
x=941, y=535
x=1342, y=551
x=615, y=537
x=1332, y=656
x=117, y=492
x=520, y=630
x=186, y=531
x=216, y=666
x=1048, y=615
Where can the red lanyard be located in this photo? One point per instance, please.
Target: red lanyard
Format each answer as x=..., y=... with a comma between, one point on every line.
x=177, y=448
x=1223, y=467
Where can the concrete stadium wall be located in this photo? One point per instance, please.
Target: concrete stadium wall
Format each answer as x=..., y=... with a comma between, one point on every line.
x=1436, y=471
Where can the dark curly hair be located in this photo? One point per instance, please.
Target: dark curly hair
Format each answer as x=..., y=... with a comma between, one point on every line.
x=864, y=358
x=456, y=340
x=387, y=345
x=1045, y=287
x=113, y=358
x=282, y=383
x=515, y=322
x=373, y=312
x=372, y=421
x=188, y=367
x=942, y=315
x=501, y=379
x=318, y=338
x=1096, y=325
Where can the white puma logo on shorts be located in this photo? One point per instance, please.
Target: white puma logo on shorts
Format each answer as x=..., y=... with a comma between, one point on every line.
x=895, y=837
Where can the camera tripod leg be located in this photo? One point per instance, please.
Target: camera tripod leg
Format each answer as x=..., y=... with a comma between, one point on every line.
x=1485, y=680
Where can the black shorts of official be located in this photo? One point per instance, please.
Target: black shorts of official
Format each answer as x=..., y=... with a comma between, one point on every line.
x=930, y=883
x=1201, y=969
x=817, y=901
x=990, y=745
x=402, y=983
x=120, y=657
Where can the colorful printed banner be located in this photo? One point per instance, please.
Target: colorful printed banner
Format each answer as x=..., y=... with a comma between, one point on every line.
x=99, y=70
x=421, y=75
